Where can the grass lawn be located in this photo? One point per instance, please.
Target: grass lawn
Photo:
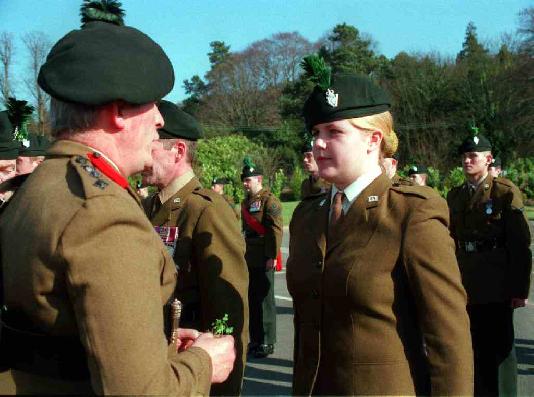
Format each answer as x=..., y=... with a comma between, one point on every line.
x=287, y=210
x=530, y=212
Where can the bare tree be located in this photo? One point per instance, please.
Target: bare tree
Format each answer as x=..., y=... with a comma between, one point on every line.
x=6, y=58
x=38, y=45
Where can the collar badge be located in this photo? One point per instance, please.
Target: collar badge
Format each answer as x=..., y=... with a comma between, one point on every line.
x=176, y=200
x=322, y=202
x=372, y=199
x=332, y=97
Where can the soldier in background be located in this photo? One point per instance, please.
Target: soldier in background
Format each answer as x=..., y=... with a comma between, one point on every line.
x=418, y=174
x=262, y=227
x=313, y=184
x=209, y=251
x=9, y=150
x=217, y=185
x=495, y=168
x=492, y=246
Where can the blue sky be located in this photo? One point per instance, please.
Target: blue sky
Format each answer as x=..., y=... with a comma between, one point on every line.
x=185, y=28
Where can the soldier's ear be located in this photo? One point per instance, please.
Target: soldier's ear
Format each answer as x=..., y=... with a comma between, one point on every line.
x=111, y=115
x=375, y=140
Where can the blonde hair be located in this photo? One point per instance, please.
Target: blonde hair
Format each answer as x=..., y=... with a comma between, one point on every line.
x=382, y=122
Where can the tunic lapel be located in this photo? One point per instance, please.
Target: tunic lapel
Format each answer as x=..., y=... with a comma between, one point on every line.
x=363, y=215
x=320, y=222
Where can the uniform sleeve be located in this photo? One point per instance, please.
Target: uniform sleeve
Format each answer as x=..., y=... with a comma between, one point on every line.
x=114, y=267
x=272, y=220
x=434, y=279
x=517, y=243
x=219, y=254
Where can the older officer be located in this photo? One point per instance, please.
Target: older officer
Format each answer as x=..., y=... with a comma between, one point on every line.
x=85, y=277
x=492, y=245
x=209, y=251
x=366, y=289
x=495, y=168
x=313, y=184
x=261, y=213
x=418, y=173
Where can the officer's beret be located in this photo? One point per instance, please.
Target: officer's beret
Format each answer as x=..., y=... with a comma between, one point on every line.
x=417, y=169
x=178, y=124
x=341, y=96
x=476, y=143
x=38, y=145
x=250, y=169
x=9, y=148
x=105, y=61
x=496, y=162
x=220, y=181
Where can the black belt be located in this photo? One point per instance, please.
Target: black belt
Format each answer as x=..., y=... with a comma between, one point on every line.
x=479, y=245
x=60, y=357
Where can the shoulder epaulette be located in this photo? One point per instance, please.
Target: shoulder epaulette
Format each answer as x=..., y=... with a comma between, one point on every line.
x=503, y=181
x=206, y=194
x=92, y=179
x=416, y=190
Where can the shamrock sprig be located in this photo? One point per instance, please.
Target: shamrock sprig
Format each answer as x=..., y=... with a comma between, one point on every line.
x=220, y=326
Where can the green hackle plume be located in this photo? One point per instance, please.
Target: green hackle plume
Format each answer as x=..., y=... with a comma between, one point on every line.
x=20, y=114
x=316, y=70
x=102, y=10
x=474, y=129
x=247, y=162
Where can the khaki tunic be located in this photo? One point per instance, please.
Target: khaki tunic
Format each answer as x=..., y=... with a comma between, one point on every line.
x=312, y=185
x=81, y=260
x=364, y=302
x=492, y=216
x=210, y=256
x=232, y=205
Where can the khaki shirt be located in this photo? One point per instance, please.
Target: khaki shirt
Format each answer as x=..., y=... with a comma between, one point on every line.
x=497, y=263
x=367, y=296
x=210, y=257
x=81, y=260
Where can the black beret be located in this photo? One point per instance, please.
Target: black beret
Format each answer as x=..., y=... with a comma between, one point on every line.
x=476, y=143
x=220, y=181
x=250, y=169
x=103, y=62
x=9, y=148
x=178, y=124
x=348, y=96
x=38, y=145
x=496, y=162
x=417, y=169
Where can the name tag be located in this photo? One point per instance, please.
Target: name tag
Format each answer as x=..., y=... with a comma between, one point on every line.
x=169, y=237
x=255, y=206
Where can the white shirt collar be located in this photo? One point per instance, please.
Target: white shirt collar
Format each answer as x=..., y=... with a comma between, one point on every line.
x=353, y=190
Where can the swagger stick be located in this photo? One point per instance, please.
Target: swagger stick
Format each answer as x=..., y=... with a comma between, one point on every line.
x=176, y=313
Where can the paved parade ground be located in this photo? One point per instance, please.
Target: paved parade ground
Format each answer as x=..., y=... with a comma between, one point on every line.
x=271, y=376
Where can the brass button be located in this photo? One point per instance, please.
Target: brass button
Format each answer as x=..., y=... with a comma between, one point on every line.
x=319, y=264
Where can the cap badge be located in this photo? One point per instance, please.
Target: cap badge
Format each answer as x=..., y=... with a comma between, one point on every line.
x=332, y=97
x=476, y=140
x=26, y=143
x=414, y=168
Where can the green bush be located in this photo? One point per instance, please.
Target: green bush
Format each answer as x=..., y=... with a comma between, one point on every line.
x=279, y=181
x=455, y=178
x=521, y=173
x=296, y=181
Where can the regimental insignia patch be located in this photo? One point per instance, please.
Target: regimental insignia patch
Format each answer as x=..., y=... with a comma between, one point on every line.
x=255, y=206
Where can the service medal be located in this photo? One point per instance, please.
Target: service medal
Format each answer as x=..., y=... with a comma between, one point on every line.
x=489, y=207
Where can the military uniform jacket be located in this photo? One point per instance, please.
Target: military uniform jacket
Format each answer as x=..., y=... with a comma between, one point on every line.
x=232, y=205
x=81, y=259
x=312, y=185
x=210, y=257
x=367, y=296
x=493, y=219
x=267, y=210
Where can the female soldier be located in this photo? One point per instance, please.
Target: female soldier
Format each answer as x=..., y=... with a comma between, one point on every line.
x=371, y=266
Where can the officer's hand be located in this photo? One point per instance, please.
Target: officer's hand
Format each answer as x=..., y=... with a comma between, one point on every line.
x=222, y=352
x=270, y=264
x=186, y=337
x=518, y=302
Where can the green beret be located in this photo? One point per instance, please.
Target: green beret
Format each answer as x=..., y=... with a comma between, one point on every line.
x=496, y=162
x=477, y=143
x=220, y=181
x=38, y=145
x=417, y=169
x=339, y=97
x=178, y=124
x=250, y=169
x=9, y=148
x=105, y=61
